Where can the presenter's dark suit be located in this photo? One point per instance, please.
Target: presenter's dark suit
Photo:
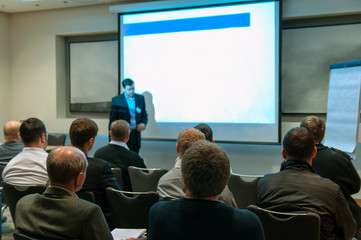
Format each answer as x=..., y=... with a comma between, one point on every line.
x=120, y=157
x=56, y=214
x=99, y=176
x=120, y=110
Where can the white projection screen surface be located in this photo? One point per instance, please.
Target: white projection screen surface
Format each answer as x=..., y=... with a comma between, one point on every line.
x=215, y=64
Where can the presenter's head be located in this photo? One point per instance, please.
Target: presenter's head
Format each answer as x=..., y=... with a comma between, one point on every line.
x=128, y=85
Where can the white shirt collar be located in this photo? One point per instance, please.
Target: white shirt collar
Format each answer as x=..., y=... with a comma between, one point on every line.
x=178, y=163
x=122, y=144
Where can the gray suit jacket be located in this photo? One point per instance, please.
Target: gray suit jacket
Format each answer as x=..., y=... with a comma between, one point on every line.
x=56, y=214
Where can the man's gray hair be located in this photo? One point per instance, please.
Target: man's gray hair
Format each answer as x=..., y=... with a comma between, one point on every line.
x=120, y=130
x=64, y=163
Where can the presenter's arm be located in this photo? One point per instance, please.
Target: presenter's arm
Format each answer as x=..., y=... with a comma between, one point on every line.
x=144, y=115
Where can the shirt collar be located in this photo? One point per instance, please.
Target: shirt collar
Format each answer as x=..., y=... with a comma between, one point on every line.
x=127, y=98
x=67, y=190
x=178, y=163
x=122, y=144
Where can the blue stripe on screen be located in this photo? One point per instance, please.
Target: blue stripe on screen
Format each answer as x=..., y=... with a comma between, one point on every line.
x=188, y=24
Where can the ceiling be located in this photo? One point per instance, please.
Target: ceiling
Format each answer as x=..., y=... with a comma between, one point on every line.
x=16, y=6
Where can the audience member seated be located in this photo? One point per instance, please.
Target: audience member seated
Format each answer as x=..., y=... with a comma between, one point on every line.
x=99, y=175
x=296, y=188
x=335, y=165
x=12, y=145
x=117, y=152
x=29, y=167
x=205, y=173
x=58, y=213
x=170, y=184
x=206, y=130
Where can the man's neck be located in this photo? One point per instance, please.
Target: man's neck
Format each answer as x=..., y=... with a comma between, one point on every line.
x=34, y=145
x=214, y=198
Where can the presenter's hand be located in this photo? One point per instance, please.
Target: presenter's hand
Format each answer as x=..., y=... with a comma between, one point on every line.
x=140, y=127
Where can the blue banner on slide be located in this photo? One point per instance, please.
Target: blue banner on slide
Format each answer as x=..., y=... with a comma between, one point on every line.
x=346, y=64
x=188, y=24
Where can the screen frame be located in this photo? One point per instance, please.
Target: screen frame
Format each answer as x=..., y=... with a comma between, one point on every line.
x=278, y=54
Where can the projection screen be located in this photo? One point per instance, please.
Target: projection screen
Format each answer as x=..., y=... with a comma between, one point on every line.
x=214, y=64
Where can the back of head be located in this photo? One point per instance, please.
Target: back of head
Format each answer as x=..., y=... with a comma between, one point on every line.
x=11, y=130
x=119, y=130
x=186, y=138
x=206, y=169
x=316, y=126
x=127, y=82
x=63, y=164
x=31, y=130
x=298, y=143
x=206, y=130
x=81, y=131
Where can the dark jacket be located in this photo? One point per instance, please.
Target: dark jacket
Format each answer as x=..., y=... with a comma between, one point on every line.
x=120, y=110
x=296, y=188
x=99, y=176
x=120, y=157
x=337, y=166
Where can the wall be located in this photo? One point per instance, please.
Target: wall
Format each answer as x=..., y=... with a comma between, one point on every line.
x=35, y=70
x=5, y=84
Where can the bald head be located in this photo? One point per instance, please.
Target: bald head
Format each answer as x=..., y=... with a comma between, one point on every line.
x=186, y=138
x=119, y=131
x=11, y=131
x=63, y=164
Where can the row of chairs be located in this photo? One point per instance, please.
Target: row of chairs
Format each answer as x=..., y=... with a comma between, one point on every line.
x=130, y=209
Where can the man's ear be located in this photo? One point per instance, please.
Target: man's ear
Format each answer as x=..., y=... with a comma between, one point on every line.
x=43, y=138
x=177, y=148
x=110, y=133
x=18, y=135
x=284, y=154
x=79, y=181
x=314, y=153
x=91, y=143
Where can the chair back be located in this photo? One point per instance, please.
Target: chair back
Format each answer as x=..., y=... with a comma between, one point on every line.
x=145, y=179
x=285, y=226
x=56, y=140
x=118, y=176
x=13, y=193
x=130, y=209
x=20, y=236
x=86, y=195
x=244, y=192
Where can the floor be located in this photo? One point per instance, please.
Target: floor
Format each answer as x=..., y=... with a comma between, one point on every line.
x=7, y=226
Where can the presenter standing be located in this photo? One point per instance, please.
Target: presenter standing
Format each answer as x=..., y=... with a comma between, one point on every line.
x=130, y=107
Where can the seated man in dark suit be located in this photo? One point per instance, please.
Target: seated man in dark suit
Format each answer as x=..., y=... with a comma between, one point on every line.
x=198, y=215
x=99, y=175
x=117, y=152
x=335, y=165
x=296, y=188
x=13, y=144
x=58, y=213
